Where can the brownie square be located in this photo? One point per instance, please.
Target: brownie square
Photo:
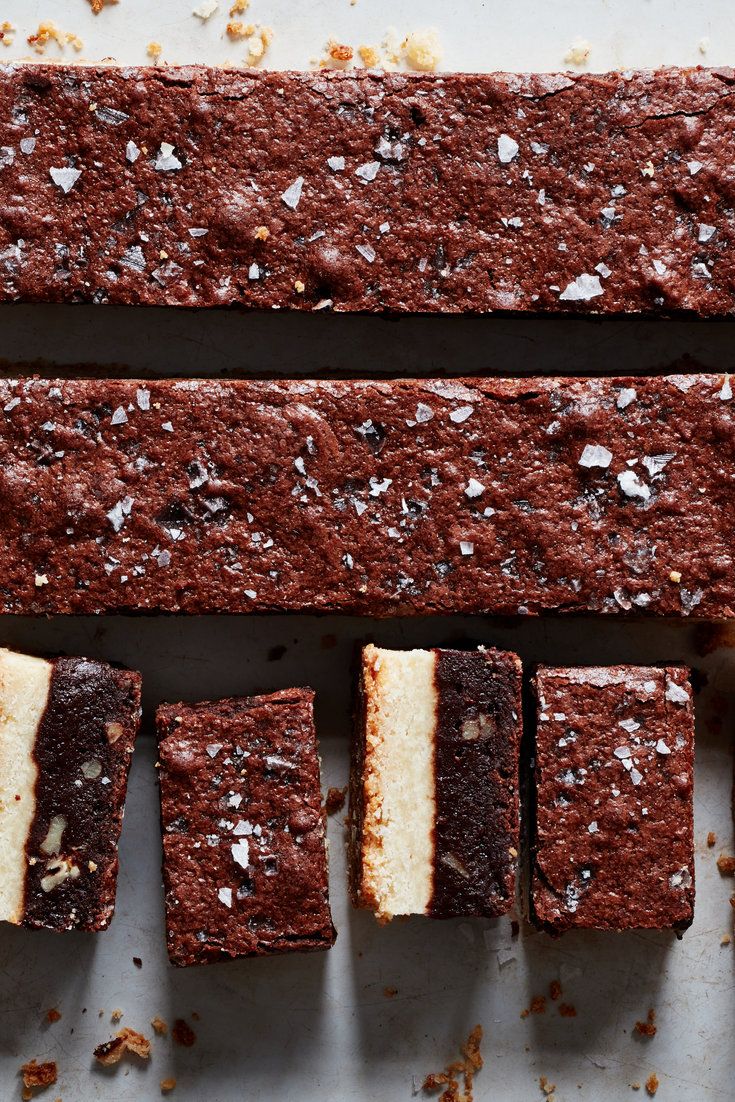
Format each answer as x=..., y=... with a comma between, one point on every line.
x=612, y=837
x=244, y=852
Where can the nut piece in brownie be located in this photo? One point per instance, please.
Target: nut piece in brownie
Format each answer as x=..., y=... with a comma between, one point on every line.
x=612, y=841
x=434, y=788
x=244, y=852
x=67, y=731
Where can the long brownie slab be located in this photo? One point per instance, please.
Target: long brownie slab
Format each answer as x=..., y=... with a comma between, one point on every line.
x=434, y=784
x=369, y=191
x=244, y=851
x=612, y=844
x=67, y=730
x=380, y=497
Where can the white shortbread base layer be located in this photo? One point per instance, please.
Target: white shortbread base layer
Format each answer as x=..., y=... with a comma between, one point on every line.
x=24, y=689
x=398, y=829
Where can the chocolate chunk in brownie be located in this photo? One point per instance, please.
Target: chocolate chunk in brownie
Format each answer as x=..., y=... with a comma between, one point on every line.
x=67, y=730
x=612, y=844
x=434, y=789
x=244, y=854
x=365, y=191
x=381, y=498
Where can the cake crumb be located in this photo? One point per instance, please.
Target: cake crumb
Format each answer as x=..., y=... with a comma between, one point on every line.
x=98, y=5
x=567, y=1010
x=167, y=1085
x=578, y=53
x=711, y=839
x=137, y=962
x=335, y=800
x=116, y=1015
x=538, y=1006
x=159, y=1026
x=126, y=1040
x=647, y=1028
x=7, y=33
x=423, y=50
x=370, y=56
x=725, y=940
x=652, y=1084
x=239, y=6
x=726, y=865
x=340, y=55
x=703, y=45
x=554, y=990
x=237, y=30
x=467, y=1068
x=154, y=51
x=390, y=992
x=206, y=10
x=262, y=233
x=546, y=1087
x=53, y=1015
x=675, y=576
x=37, y=1077
x=183, y=1034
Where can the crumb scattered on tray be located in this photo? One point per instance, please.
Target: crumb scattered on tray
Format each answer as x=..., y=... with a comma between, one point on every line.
x=159, y=1027
x=554, y=990
x=183, y=1034
x=711, y=839
x=647, y=1028
x=726, y=939
x=578, y=53
x=369, y=56
x=467, y=1068
x=206, y=9
x=48, y=32
x=98, y=5
x=239, y=6
x=335, y=800
x=567, y=1010
x=126, y=1040
x=423, y=50
x=726, y=865
x=53, y=1015
x=7, y=33
x=167, y=1085
x=546, y=1087
x=652, y=1084
x=116, y=1015
x=538, y=1006
x=137, y=962
x=390, y=992
x=37, y=1077
x=154, y=51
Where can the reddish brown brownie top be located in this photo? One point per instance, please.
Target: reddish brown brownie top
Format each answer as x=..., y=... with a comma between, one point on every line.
x=244, y=866
x=613, y=844
x=368, y=191
x=381, y=498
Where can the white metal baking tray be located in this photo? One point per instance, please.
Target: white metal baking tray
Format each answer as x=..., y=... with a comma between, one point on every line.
x=320, y=1027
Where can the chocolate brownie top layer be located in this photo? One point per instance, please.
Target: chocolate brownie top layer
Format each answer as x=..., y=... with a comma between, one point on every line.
x=367, y=191
x=245, y=868
x=613, y=846
x=383, y=498
x=476, y=747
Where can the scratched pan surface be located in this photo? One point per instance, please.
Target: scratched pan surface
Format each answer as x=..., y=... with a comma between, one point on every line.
x=320, y=1027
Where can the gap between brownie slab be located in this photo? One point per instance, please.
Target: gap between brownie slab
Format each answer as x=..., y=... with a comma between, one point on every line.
x=208, y=657
x=137, y=340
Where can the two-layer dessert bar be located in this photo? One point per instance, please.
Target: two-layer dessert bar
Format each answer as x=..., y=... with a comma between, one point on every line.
x=612, y=838
x=434, y=792
x=67, y=729
x=245, y=866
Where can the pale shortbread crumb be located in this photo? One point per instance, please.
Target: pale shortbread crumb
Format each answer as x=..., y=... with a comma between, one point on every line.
x=578, y=53
x=154, y=50
x=49, y=32
x=206, y=10
x=370, y=56
x=423, y=50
